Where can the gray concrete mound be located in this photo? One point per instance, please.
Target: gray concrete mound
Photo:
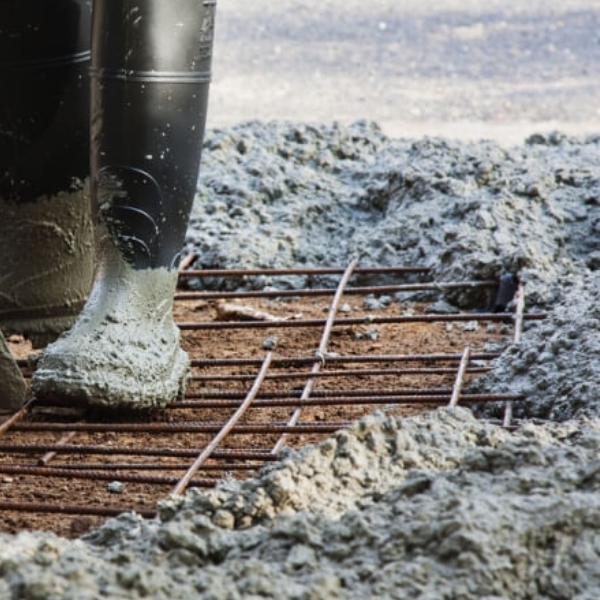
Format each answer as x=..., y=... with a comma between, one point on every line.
x=442, y=505
x=282, y=195
x=557, y=364
x=439, y=506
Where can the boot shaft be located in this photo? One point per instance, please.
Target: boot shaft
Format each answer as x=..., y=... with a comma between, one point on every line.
x=150, y=78
x=46, y=238
x=44, y=113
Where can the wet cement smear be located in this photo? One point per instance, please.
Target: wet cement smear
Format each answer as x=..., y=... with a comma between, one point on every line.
x=47, y=261
x=124, y=349
x=437, y=506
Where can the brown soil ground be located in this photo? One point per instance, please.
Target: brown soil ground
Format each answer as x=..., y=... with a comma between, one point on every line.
x=90, y=484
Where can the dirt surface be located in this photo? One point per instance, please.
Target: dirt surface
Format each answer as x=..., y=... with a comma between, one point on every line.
x=387, y=339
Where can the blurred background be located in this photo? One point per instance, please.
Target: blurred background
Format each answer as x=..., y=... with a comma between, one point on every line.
x=465, y=69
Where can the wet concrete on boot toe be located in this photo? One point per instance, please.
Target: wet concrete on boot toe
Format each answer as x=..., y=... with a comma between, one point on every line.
x=124, y=349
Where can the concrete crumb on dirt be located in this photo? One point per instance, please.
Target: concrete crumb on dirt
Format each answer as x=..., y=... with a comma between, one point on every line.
x=436, y=506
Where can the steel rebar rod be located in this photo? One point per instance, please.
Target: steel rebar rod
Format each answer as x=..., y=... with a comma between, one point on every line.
x=99, y=475
x=185, y=263
x=30, y=448
x=366, y=358
x=216, y=461
x=321, y=351
x=342, y=373
x=519, y=317
x=347, y=322
x=342, y=400
x=460, y=377
x=350, y=291
x=71, y=509
x=15, y=418
x=300, y=271
x=184, y=427
x=217, y=397
x=122, y=466
x=183, y=483
x=48, y=456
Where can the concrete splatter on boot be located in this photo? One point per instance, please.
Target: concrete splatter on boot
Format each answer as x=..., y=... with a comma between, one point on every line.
x=124, y=348
x=150, y=76
x=46, y=232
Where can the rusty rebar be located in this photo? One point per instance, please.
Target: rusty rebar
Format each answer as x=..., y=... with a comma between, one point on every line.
x=347, y=322
x=350, y=291
x=183, y=483
x=99, y=475
x=342, y=373
x=71, y=509
x=200, y=273
x=366, y=358
x=345, y=400
x=215, y=460
x=185, y=427
x=460, y=377
x=185, y=263
x=225, y=454
x=123, y=466
x=218, y=396
x=320, y=353
x=15, y=418
x=50, y=454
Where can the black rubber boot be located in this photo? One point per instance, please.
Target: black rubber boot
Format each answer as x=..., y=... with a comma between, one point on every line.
x=150, y=76
x=46, y=236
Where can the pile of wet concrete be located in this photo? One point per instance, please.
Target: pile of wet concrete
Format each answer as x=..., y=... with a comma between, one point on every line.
x=443, y=505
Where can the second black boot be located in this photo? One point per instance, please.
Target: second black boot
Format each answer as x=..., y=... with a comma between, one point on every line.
x=46, y=238
x=150, y=75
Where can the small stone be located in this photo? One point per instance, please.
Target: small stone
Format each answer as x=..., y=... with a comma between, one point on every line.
x=441, y=307
x=470, y=326
x=372, y=302
x=115, y=487
x=270, y=343
x=370, y=334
